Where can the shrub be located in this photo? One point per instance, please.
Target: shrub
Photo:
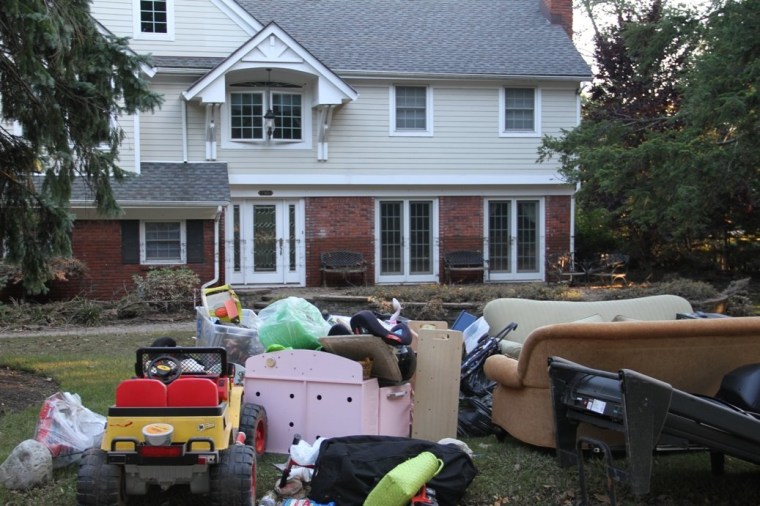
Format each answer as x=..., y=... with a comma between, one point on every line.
x=86, y=312
x=59, y=269
x=167, y=289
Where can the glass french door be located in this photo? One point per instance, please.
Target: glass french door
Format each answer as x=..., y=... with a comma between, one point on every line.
x=514, y=239
x=407, y=235
x=265, y=243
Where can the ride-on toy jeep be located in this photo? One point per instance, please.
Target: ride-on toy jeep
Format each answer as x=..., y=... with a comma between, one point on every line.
x=180, y=421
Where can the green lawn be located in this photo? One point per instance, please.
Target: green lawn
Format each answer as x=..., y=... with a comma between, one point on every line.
x=510, y=473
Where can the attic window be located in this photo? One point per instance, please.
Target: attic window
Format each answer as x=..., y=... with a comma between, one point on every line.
x=154, y=19
x=153, y=16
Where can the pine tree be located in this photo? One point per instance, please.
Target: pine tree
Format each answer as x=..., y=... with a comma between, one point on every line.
x=63, y=81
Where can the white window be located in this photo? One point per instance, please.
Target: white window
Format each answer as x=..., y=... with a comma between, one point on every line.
x=163, y=242
x=288, y=119
x=248, y=110
x=247, y=116
x=154, y=19
x=411, y=111
x=520, y=112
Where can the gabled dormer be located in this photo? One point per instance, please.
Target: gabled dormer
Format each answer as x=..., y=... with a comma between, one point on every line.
x=267, y=91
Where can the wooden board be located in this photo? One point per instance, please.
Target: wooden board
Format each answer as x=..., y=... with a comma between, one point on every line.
x=436, y=391
x=416, y=325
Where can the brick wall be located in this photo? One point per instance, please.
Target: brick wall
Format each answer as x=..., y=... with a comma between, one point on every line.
x=348, y=224
x=559, y=12
x=98, y=244
x=339, y=224
x=557, y=224
x=461, y=223
x=461, y=228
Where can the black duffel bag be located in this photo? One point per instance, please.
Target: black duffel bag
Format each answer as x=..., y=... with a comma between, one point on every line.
x=348, y=468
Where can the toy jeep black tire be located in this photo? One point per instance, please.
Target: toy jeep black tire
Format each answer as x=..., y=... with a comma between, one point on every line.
x=233, y=480
x=98, y=483
x=253, y=422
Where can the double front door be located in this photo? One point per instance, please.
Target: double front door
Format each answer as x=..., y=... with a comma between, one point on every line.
x=265, y=242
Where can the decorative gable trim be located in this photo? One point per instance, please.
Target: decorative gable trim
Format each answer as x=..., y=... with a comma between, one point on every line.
x=272, y=47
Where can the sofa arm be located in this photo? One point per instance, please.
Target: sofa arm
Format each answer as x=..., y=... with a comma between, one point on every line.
x=502, y=370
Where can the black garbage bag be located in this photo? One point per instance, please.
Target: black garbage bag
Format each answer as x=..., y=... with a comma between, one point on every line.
x=348, y=468
x=474, y=418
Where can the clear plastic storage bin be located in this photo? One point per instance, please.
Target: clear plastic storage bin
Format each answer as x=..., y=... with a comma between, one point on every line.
x=240, y=341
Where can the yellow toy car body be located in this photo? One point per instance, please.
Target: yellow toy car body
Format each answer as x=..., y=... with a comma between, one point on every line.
x=180, y=421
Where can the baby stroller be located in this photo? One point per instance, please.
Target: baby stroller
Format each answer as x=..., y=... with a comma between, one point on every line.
x=475, y=389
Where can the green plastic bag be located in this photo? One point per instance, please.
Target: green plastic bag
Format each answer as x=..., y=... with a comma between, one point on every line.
x=292, y=323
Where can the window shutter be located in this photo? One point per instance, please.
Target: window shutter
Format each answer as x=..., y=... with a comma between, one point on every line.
x=130, y=242
x=194, y=229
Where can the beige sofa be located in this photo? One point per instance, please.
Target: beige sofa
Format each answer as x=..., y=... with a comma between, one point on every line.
x=531, y=314
x=691, y=355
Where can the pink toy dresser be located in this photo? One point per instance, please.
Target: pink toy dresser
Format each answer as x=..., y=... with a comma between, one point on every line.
x=320, y=394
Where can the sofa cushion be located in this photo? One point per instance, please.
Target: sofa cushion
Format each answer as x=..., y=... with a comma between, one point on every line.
x=623, y=318
x=512, y=349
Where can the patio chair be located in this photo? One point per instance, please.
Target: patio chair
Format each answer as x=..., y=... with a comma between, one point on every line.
x=463, y=261
x=564, y=268
x=611, y=268
x=344, y=263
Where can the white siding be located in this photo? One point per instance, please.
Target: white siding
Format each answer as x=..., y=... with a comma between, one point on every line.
x=161, y=133
x=201, y=29
x=127, y=148
x=466, y=139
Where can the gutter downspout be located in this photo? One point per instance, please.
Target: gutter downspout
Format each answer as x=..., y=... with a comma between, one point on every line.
x=572, y=217
x=216, y=249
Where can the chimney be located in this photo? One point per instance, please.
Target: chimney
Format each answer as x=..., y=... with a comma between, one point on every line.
x=559, y=12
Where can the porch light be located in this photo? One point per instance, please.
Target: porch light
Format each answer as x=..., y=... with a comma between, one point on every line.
x=269, y=123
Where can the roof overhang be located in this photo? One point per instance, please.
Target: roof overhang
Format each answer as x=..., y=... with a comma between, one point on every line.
x=272, y=48
x=152, y=210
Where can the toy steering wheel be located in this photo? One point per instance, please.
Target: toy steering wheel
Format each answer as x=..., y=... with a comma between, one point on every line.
x=164, y=368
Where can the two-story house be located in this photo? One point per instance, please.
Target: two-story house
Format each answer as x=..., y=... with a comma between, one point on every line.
x=401, y=129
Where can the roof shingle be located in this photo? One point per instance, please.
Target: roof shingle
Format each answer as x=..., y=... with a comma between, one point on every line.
x=166, y=183
x=472, y=37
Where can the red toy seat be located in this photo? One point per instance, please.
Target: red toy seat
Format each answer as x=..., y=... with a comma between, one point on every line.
x=221, y=386
x=192, y=392
x=140, y=392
